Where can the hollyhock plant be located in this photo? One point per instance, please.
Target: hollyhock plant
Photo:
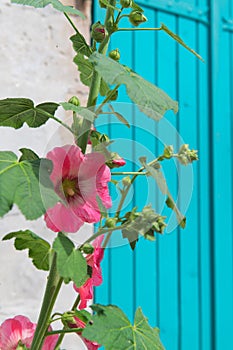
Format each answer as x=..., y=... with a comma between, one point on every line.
x=93, y=260
x=21, y=330
x=78, y=179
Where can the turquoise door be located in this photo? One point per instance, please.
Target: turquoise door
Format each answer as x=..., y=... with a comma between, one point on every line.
x=183, y=281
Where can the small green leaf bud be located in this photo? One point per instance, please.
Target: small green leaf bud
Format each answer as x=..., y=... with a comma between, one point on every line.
x=115, y=55
x=68, y=318
x=87, y=248
x=110, y=222
x=74, y=100
x=126, y=3
x=168, y=152
x=98, y=32
x=136, y=18
x=126, y=181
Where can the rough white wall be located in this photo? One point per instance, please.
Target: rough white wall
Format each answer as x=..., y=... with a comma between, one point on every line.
x=35, y=62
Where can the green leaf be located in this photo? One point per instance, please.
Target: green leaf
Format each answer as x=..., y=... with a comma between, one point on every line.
x=150, y=99
x=120, y=117
x=14, y=112
x=38, y=249
x=112, y=329
x=71, y=264
x=28, y=154
x=82, y=111
x=180, y=41
x=55, y=3
x=162, y=184
x=80, y=45
x=85, y=68
x=27, y=184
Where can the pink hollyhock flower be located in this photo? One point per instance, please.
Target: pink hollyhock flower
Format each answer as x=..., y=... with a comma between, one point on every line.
x=93, y=260
x=21, y=329
x=77, y=323
x=77, y=179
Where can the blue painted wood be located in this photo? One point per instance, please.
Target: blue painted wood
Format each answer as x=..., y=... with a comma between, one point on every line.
x=184, y=281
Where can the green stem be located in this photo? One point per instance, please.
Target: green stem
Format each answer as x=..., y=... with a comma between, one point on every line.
x=71, y=22
x=96, y=79
x=128, y=29
x=52, y=289
x=61, y=122
x=63, y=332
x=128, y=173
x=107, y=98
x=119, y=16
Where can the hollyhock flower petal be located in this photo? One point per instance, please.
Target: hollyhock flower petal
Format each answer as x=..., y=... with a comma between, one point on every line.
x=61, y=218
x=80, y=324
x=50, y=342
x=93, y=260
x=77, y=179
x=16, y=329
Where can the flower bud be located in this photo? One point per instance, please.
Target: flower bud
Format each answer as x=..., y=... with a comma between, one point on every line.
x=126, y=181
x=115, y=55
x=136, y=18
x=116, y=161
x=98, y=32
x=110, y=222
x=68, y=318
x=126, y=3
x=168, y=152
x=74, y=100
x=87, y=248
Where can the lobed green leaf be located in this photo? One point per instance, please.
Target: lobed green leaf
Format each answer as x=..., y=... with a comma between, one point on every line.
x=111, y=328
x=150, y=99
x=55, y=3
x=14, y=112
x=80, y=45
x=38, y=248
x=82, y=111
x=27, y=184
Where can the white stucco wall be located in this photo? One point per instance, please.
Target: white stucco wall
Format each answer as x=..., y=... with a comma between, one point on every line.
x=35, y=62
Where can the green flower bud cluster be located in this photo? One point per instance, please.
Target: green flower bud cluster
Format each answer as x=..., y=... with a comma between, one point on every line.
x=186, y=156
x=87, y=248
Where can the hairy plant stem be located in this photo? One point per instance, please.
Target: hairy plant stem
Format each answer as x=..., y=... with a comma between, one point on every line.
x=64, y=331
x=135, y=29
x=96, y=78
x=52, y=289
